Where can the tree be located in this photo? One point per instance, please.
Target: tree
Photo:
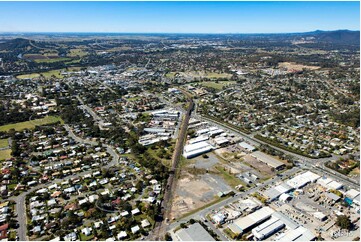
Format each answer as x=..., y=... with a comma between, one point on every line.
x=168, y=237
x=344, y=222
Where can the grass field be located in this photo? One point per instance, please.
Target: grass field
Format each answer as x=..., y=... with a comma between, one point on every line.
x=31, y=124
x=77, y=52
x=52, y=60
x=217, y=85
x=5, y=154
x=48, y=74
x=231, y=179
x=4, y=143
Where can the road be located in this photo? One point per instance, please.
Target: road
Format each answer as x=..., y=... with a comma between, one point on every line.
x=20, y=208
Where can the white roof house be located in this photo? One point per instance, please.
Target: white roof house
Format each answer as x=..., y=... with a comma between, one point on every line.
x=135, y=211
x=135, y=229
x=145, y=223
x=121, y=235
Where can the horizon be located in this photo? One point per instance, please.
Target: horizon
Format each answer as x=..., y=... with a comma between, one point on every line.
x=178, y=17
x=177, y=33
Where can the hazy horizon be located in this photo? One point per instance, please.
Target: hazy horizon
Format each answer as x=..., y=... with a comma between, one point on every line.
x=178, y=17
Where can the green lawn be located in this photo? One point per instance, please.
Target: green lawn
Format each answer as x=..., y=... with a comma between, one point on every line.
x=5, y=154
x=217, y=85
x=4, y=143
x=31, y=124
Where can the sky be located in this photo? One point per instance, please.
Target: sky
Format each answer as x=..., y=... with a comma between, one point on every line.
x=178, y=17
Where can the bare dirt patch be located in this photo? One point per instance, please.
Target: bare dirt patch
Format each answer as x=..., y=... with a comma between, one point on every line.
x=291, y=66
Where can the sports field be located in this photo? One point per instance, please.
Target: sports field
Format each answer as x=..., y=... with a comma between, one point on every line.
x=217, y=85
x=31, y=124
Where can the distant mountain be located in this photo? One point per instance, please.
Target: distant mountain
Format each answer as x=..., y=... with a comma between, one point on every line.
x=337, y=36
x=14, y=44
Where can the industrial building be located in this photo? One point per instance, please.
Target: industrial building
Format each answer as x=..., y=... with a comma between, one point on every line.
x=196, y=149
x=198, y=139
x=275, y=192
x=245, y=224
x=247, y=146
x=269, y=160
x=298, y=234
x=268, y=228
x=303, y=179
x=194, y=232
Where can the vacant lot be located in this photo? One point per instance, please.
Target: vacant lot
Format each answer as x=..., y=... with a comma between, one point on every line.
x=297, y=67
x=217, y=85
x=261, y=167
x=194, y=192
x=4, y=143
x=31, y=124
x=5, y=154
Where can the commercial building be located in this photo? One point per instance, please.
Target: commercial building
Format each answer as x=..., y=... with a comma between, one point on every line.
x=195, y=232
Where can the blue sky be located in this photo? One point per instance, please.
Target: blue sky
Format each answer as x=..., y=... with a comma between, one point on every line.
x=178, y=17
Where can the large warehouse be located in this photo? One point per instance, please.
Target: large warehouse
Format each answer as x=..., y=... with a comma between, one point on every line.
x=245, y=224
x=199, y=148
x=267, y=228
x=269, y=160
x=303, y=179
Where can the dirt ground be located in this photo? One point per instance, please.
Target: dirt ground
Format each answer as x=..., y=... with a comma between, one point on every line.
x=263, y=168
x=294, y=66
x=196, y=191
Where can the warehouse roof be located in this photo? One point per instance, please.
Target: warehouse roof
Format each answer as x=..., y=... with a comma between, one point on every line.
x=275, y=192
x=298, y=234
x=254, y=218
x=195, y=232
x=267, y=228
x=269, y=160
x=352, y=193
x=302, y=179
x=247, y=146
